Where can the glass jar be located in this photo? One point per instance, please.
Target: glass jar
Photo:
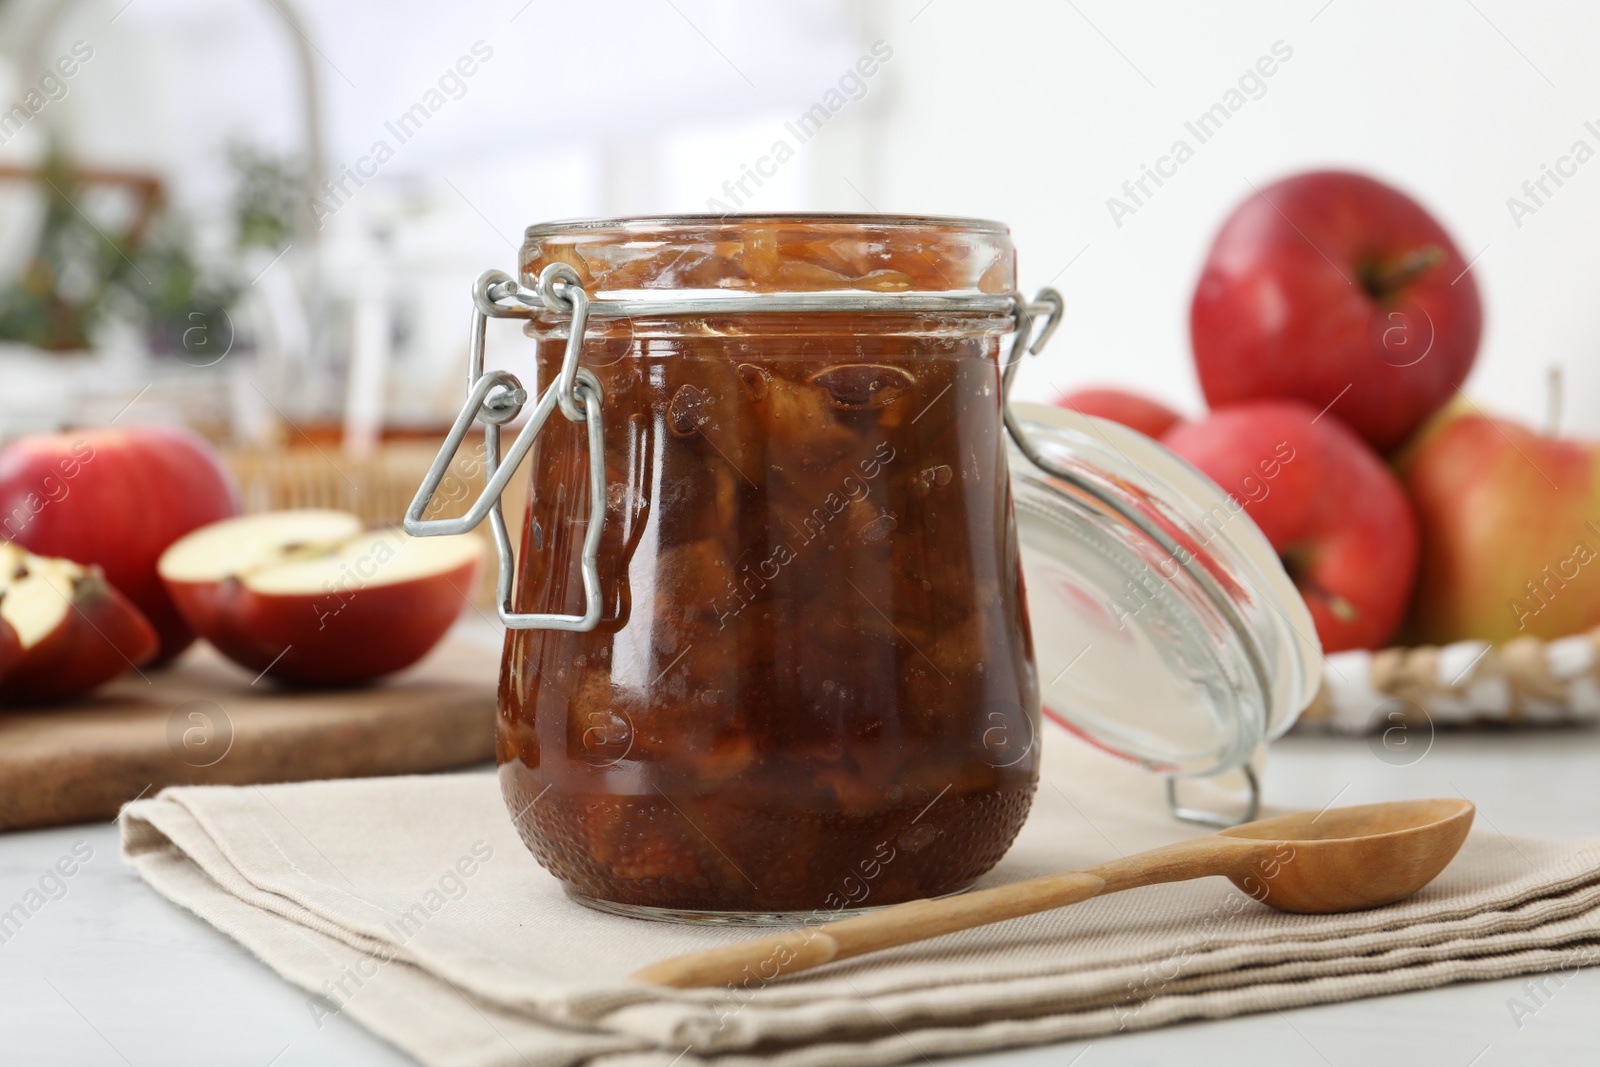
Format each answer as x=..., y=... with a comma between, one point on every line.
x=812, y=662
x=768, y=655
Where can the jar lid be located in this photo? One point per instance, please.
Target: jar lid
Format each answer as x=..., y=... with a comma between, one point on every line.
x=1165, y=628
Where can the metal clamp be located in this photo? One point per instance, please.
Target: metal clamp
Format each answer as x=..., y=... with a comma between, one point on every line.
x=497, y=397
x=1252, y=804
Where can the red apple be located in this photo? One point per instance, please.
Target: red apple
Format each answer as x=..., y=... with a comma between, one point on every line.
x=1332, y=288
x=1120, y=406
x=310, y=597
x=71, y=630
x=116, y=498
x=1510, y=524
x=1330, y=507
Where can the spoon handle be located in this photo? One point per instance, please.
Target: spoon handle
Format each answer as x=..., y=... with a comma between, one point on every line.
x=754, y=963
x=780, y=955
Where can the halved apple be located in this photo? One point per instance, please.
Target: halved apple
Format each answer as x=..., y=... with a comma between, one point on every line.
x=71, y=630
x=311, y=597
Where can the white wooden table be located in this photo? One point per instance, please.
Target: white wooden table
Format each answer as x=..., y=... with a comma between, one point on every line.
x=112, y=974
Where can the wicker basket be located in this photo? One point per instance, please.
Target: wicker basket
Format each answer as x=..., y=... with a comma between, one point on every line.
x=1524, y=680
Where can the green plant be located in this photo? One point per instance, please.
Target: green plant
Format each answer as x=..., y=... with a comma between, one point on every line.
x=67, y=284
x=265, y=190
x=79, y=274
x=172, y=293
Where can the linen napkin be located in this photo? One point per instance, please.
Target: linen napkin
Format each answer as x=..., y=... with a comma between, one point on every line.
x=411, y=904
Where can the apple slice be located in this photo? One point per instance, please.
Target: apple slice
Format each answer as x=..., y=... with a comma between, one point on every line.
x=310, y=597
x=71, y=629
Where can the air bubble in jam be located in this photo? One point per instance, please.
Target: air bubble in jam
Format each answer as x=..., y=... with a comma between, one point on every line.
x=862, y=385
x=878, y=529
x=689, y=410
x=936, y=477
x=607, y=736
x=885, y=281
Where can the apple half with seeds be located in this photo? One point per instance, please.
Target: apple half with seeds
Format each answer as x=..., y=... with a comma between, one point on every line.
x=65, y=629
x=312, y=598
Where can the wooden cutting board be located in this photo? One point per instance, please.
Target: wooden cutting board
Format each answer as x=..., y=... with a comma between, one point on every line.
x=205, y=721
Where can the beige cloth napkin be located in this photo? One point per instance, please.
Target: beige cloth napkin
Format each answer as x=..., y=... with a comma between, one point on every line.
x=411, y=905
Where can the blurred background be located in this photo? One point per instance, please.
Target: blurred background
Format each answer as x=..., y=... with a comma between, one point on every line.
x=262, y=217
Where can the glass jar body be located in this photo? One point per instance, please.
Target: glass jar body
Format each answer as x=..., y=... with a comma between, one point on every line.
x=812, y=687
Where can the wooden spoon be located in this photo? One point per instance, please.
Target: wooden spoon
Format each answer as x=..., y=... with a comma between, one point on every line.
x=1341, y=859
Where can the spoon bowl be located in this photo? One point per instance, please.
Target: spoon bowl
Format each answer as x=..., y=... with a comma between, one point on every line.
x=1350, y=859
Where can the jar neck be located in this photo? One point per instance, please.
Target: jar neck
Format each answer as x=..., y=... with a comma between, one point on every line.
x=778, y=254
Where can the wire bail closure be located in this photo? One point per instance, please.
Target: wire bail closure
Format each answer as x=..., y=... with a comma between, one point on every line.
x=495, y=398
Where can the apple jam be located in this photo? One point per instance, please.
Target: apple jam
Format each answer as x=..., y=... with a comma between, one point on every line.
x=812, y=687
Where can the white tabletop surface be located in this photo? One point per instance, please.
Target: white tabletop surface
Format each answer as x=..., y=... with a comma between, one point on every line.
x=113, y=974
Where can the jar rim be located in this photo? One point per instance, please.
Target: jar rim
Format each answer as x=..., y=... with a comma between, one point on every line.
x=777, y=253
x=632, y=224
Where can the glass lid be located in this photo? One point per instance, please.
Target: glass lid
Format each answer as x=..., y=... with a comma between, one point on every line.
x=1166, y=630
